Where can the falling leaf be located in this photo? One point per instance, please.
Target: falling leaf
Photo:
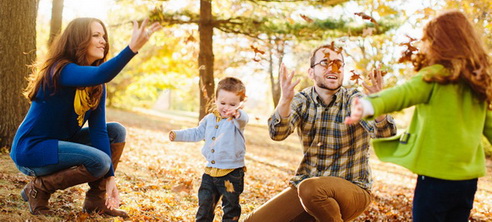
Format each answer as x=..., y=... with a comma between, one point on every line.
x=355, y=77
x=190, y=38
x=336, y=65
x=409, y=52
x=229, y=186
x=366, y=17
x=256, y=50
x=332, y=47
x=327, y=54
x=306, y=18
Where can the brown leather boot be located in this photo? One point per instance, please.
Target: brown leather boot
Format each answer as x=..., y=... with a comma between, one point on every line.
x=95, y=197
x=38, y=191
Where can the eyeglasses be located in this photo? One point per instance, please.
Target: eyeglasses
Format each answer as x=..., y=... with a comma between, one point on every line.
x=335, y=64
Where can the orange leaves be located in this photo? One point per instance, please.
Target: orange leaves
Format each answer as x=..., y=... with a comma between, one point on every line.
x=355, y=77
x=257, y=53
x=335, y=65
x=369, y=30
x=306, y=18
x=184, y=185
x=190, y=38
x=152, y=167
x=338, y=50
x=366, y=17
x=409, y=52
x=256, y=50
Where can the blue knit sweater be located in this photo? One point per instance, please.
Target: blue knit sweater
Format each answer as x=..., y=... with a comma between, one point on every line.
x=52, y=118
x=224, y=146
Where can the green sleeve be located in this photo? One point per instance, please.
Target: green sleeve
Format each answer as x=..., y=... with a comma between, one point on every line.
x=414, y=91
x=487, y=129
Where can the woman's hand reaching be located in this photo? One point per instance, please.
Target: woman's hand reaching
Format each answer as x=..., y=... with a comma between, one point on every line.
x=112, y=194
x=142, y=34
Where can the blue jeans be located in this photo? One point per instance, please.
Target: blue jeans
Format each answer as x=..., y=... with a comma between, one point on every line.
x=229, y=187
x=78, y=151
x=443, y=200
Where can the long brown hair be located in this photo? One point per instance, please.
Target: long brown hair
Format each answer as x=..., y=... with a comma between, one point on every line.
x=69, y=47
x=451, y=40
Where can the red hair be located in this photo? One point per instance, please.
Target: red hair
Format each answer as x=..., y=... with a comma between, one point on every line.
x=451, y=40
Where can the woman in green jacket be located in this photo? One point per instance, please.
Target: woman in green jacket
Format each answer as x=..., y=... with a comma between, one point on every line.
x=452, y=95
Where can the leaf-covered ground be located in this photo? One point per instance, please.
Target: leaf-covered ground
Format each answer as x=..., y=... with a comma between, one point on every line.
x=158, y=180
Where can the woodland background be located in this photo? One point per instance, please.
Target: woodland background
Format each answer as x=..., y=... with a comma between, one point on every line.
x=168, y=84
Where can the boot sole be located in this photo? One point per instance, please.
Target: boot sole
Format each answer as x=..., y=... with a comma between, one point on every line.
x=26, y=199
x=24, y=196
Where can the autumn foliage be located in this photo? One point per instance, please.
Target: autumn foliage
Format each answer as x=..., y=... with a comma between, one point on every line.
x=158, y=180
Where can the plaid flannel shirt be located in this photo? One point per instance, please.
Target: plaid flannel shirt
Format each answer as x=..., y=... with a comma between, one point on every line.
x=331, y=148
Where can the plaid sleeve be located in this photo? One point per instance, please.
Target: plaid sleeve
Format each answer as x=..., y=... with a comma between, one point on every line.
x=280, y=128
x=385, y=128
x=376, y=129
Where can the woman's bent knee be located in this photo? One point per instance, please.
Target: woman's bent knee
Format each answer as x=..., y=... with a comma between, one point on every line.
x=100, y=166
x=116, y=132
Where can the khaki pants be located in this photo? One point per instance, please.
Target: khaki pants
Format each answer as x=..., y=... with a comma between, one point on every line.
x=315, y=199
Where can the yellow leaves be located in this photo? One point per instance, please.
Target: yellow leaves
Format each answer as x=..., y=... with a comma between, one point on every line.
x=229, y=186
x=427, y=12
x=152, y=170
x=183, y=186
x=385, y=10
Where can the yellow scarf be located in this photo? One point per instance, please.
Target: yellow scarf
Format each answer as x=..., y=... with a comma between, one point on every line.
x=217, y=115
x=83, y=102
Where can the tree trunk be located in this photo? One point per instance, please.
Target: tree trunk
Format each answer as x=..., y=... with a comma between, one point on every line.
x=206, y=56
x=275, y=85
x=56, y=20
x=18, y=49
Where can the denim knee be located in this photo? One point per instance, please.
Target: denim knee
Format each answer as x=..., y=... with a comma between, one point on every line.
x=116, y=132
x=101, y=166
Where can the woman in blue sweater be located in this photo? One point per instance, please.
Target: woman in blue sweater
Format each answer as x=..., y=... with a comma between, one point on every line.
x=65, y=91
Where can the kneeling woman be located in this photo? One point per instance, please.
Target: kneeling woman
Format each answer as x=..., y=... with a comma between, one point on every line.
x=65, y=91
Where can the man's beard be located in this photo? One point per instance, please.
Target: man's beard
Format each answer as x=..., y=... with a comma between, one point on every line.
x=323, y=86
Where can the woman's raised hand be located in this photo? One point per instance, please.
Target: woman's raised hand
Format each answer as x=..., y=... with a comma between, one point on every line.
x=142, y=34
